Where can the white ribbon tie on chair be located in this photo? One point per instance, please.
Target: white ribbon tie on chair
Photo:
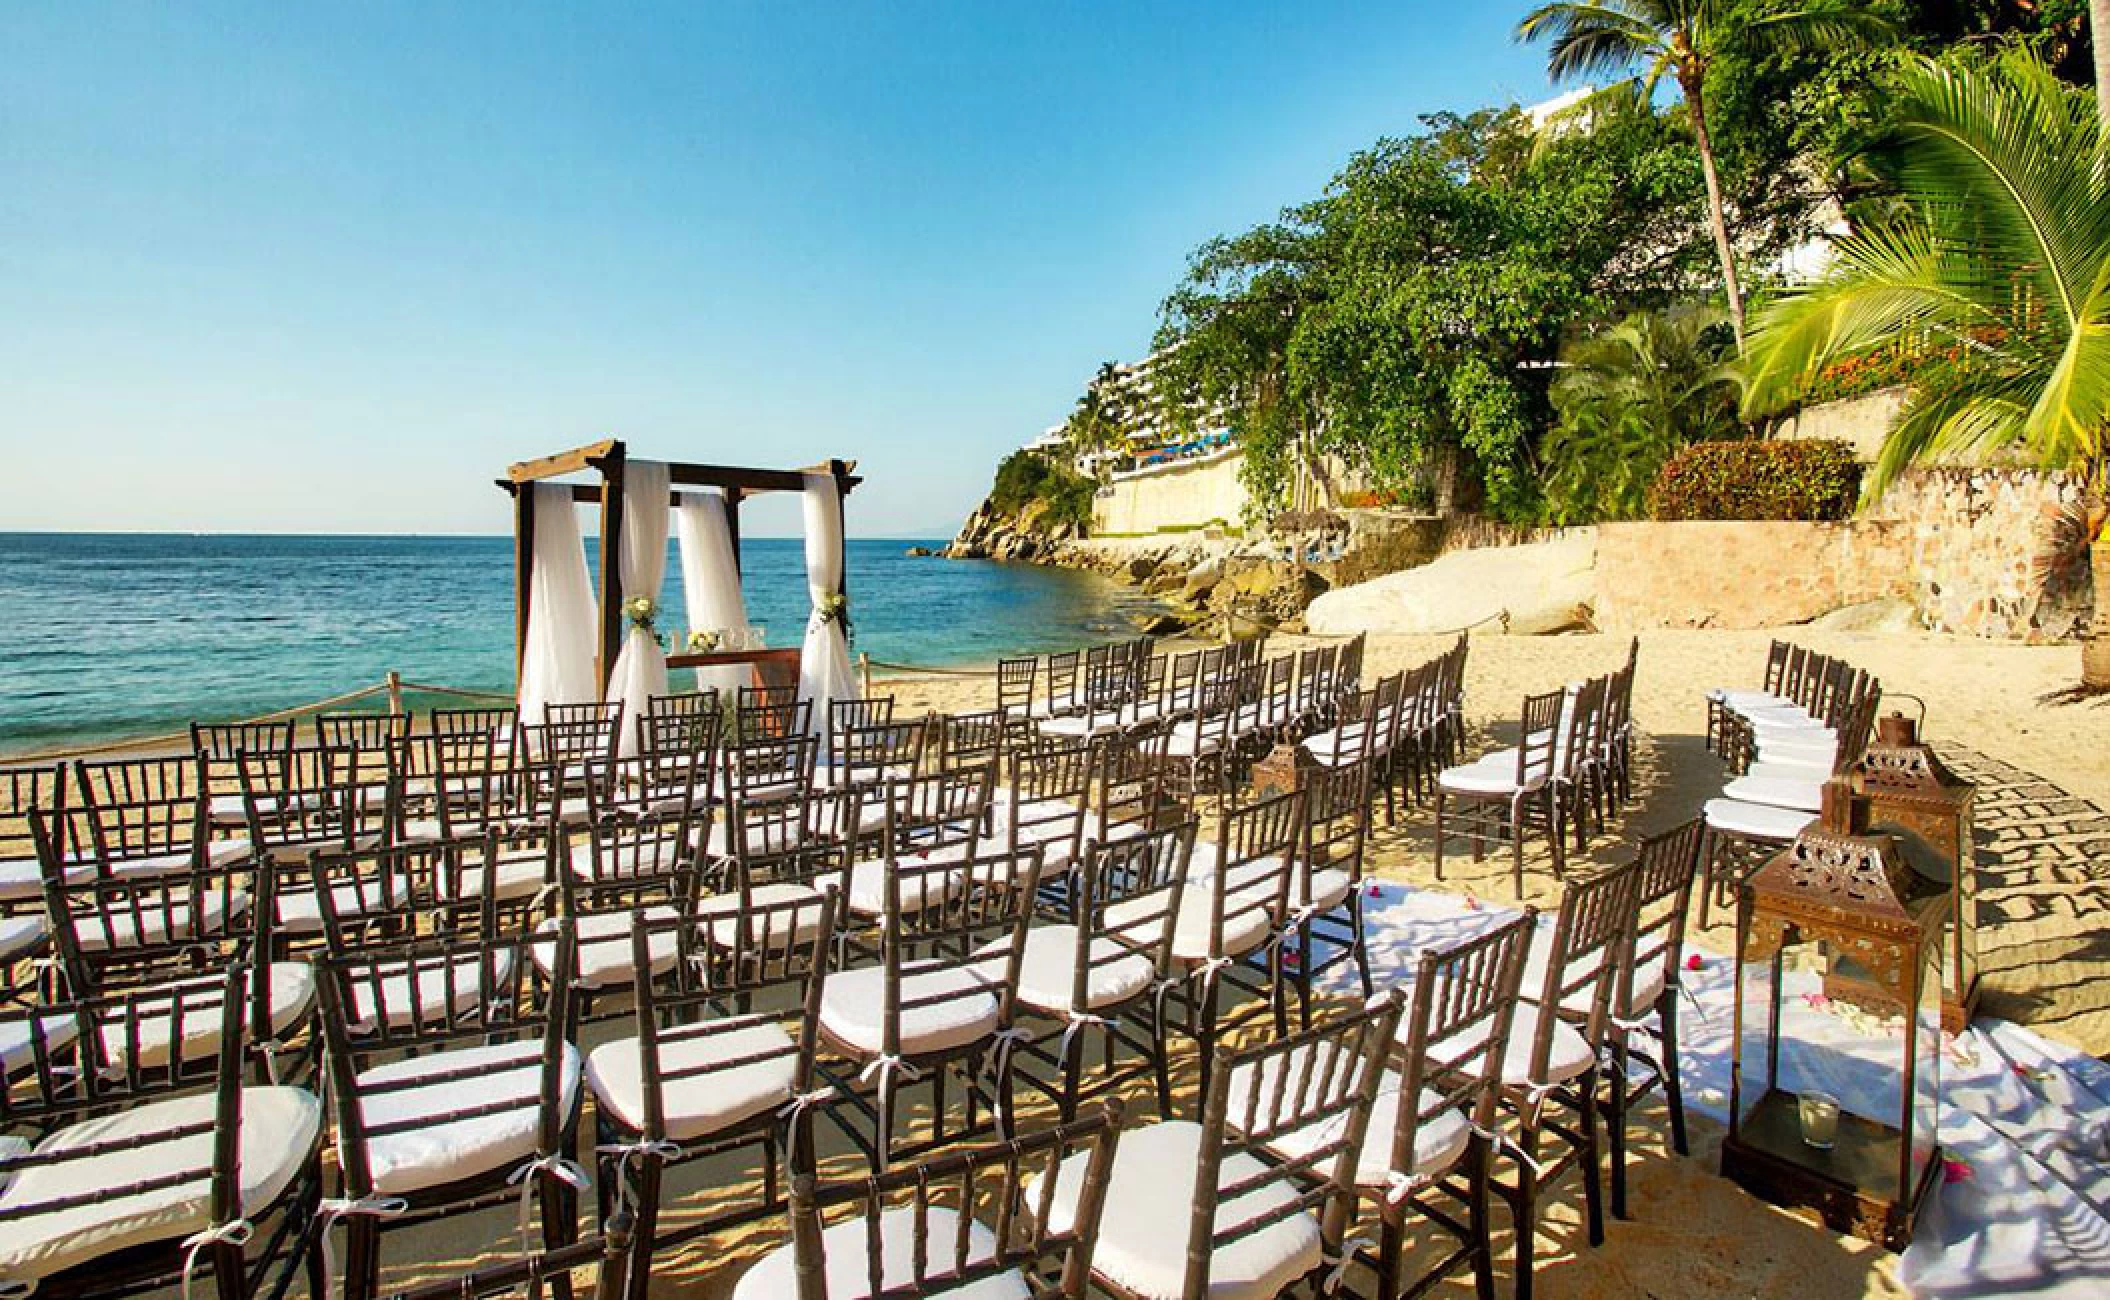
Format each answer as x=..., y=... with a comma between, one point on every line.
x=236, y=1232
x=562, y=1167
x=330, y=1209
x=624, y=1153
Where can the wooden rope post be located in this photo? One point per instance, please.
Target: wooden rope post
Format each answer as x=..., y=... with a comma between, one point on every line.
x=864, y=674
x=395, y=693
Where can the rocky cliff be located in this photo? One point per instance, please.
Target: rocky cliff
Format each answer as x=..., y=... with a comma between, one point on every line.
x=992, y=534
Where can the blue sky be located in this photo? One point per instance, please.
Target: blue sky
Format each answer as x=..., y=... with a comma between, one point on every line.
x=330, y=267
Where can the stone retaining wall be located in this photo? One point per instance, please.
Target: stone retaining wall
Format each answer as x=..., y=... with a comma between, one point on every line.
x=1975, y=544
x=1961, y=548
x=1742, y=574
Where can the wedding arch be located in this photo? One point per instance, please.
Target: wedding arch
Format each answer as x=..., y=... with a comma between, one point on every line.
x=578, y=644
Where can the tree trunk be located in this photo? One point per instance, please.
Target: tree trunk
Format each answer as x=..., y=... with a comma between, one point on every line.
x=2099, y=41
x=2095, y=642
x=1717, y=216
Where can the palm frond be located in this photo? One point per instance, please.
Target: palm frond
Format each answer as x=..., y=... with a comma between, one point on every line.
x=1886, y=283
x=1594, y=37
x=1813, y=27
x=2004, y=164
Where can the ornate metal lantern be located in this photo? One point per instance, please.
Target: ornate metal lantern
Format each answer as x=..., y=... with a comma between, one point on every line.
x=1280, y=772
x=1907, y=786
x=1815, y=1120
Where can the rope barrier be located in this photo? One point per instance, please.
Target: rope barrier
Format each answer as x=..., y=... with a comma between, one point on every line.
x=389, y=687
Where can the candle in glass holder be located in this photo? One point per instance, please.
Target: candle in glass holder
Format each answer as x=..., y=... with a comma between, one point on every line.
x=1820, y=1119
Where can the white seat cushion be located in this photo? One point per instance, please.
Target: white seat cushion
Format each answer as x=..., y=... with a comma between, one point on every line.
x=1341, y=745
x=300, y=910
x=1751, y=699
x=1493, y=775
x=1076, y=725
x=1145, y=1219
x=1047, y=972
x=719, y=915
x=1439, y=1139
x=1805, y=771
x=1187, y=741
x=654, y=857
x=1758, y=820
x=278, y=1132
x=20, y=936
x=963, y=1009
x=1779, y=715
x=292, y=993
x=17, y=1050
x=604, y=956
x=1648, y=978
x=521, y=874
x=696, y=1105
x=437, y=1153
x=1811, y=747
x=1776, y=791
x=866, y=891
x=443, y=990
x=1567, y=1056
x=21, y=879
x=774, y=1276
x=1245, y=927
x=161, y=919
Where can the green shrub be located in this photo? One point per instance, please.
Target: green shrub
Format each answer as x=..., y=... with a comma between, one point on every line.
x=1751, y=479
x=1026, y=477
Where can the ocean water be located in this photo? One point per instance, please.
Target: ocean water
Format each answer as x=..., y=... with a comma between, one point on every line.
x=110, y=635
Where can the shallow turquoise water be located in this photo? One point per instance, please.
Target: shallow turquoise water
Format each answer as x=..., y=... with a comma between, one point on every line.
x=104, y=635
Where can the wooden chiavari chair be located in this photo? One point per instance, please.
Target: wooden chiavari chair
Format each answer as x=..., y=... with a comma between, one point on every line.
x=698, y=1079
x=1099, y=978
x=930, y=1007
x=1206, y=1209
x=216, y=745
x=1507, y=792
x=117, y=1179
x=1559, y=1032
x=965, y=1223
x=455, y=1089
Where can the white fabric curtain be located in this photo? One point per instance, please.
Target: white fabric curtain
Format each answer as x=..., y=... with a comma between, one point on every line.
x=641, y=665
x=562, y=614
x=824, y=659
x=710, y=582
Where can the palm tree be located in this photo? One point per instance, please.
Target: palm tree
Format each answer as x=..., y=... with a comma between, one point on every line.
x=1682, y=39
x=1628, y=397
x=1997, y=286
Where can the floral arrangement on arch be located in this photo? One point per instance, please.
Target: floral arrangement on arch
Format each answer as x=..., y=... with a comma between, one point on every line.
x=643, y=611
x=835, y=608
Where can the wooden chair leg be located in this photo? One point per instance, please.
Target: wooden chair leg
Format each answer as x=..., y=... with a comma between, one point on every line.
x=1615, y=1121
x=644, y=1227
x=1673, y=1086
x=560, y=1224
x=1524, y=1208
x=1593, y=1167
x=1480, y=1221
x=1439, y=834
x=1361, y=950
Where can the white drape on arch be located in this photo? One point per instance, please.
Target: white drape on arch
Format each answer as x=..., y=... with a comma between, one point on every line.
x=824, y=659
x=710, y=582
x=641, y=665
x=557, y=666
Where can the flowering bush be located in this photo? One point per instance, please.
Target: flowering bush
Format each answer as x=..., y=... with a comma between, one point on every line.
x=1750, y=479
